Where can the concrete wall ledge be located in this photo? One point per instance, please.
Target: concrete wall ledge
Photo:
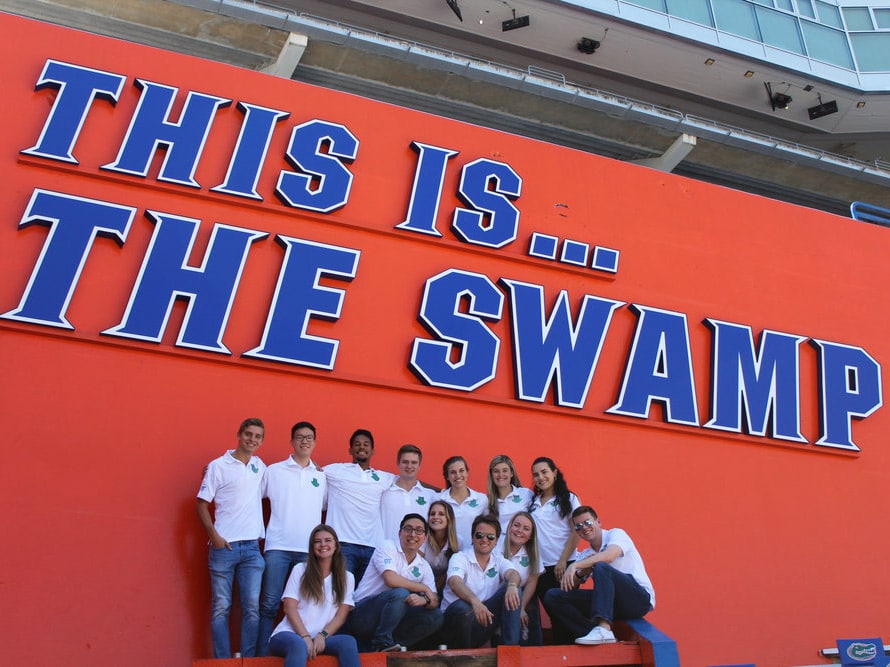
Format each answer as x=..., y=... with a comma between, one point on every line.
x=626, y=653
x=641, y=643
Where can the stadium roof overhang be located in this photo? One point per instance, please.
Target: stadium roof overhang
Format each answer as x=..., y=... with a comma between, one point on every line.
x=423, y=62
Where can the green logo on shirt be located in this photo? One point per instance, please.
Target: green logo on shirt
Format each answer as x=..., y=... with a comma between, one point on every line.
x=523, y=560
x=315, y=482
x=517, y=499
x=491, y=572
x=421, y=500
x=416, y=571
x=254, y=468
x=375, y=477
x=473, y=503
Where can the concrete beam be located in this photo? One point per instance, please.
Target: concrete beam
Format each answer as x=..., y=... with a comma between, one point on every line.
x=673, y=156
x=289, y=57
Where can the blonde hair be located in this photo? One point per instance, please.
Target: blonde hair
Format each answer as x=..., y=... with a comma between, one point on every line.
x=451, y=545
x=531, y=547
x=492, y=489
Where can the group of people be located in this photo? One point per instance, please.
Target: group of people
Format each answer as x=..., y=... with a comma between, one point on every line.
x=397, y=563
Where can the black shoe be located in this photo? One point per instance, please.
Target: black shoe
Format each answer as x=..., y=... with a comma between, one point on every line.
x=386, y=648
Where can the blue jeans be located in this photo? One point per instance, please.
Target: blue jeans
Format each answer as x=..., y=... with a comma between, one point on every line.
x=535, y=633
x=245, y=564
x=357, y=558
x=292, y=647
x=615, y=596
x=462, y=630
x=385, y=619
x=278, y=566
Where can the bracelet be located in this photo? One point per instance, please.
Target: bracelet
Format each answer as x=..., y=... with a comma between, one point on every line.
x=323, y=634
x=306, y=636
x=510, y=583
x=579, y=574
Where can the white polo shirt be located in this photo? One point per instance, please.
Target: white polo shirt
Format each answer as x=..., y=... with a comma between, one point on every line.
x=475, y=504
x=354, y=502
x=235, y=491
x=390, y=557
x=483, y=582
x=630, y=562
x=553, y=531
x=396, y=502
x=296, y=495
x=518, y=500
x=522, y=565
x=313, y=614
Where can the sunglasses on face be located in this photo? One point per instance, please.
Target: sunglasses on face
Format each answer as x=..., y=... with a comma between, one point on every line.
x=485, y=536
x=580, y=526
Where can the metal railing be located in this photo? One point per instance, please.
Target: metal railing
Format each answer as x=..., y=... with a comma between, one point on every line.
x=551, y=84
x=860, y=210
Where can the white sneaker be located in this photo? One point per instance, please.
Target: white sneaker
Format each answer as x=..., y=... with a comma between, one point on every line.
x=599, y=635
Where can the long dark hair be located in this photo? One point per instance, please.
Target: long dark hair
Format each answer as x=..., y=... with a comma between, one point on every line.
x=312, y=584
x=560, y=488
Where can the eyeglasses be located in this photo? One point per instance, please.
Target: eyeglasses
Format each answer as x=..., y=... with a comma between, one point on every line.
x=485, y=536
x=580, y=526
x=304, y=438
x=409, y=530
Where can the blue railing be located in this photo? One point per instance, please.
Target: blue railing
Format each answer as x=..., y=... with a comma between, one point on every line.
x=870, y=213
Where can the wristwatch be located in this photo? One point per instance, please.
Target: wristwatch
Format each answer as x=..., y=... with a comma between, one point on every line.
x=324, y=634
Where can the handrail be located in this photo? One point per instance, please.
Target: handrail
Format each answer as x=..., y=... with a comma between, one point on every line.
x=866, y=212
x=875, y=171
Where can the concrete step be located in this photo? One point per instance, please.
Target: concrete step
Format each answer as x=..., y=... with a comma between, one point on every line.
x=640, y=644
x=626, y=654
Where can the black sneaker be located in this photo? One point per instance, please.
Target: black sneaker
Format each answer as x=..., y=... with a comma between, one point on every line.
x=386, y=648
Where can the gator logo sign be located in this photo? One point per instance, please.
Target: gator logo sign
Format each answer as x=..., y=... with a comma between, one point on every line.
x=862, y=651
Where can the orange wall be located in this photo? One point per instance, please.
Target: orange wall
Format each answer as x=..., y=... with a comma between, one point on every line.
x=759, y=550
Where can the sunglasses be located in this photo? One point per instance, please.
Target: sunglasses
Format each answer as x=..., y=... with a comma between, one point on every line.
x=485, y=536
x=580, y=526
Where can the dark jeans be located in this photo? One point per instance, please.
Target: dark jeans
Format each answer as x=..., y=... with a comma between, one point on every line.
x=547, y=580
x=385, y=619
x=615, y=596
x=279, y=563
x=535, y=634
x=357, y=558
x=462, y=630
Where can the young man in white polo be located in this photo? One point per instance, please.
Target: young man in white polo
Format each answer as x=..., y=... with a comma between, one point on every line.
x=354, y=491
x=621, y=587
x=406, y=494
x=481, y=591
x=295, y=488
x=396, y=604
x=233, y=484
